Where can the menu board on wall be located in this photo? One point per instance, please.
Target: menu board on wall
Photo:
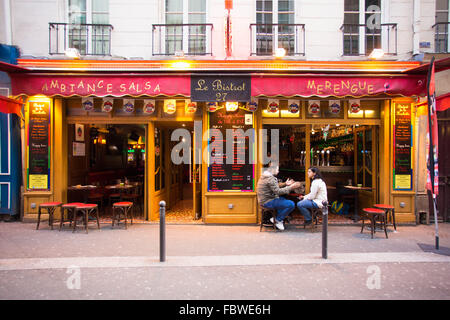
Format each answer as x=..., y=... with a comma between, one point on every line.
x=234, y=176
x=402, y=147
x=38, y=145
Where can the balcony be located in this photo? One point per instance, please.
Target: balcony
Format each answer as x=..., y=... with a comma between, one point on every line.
x=360, y=39
x=190, y=39
x=441, y=37
x=89, y=39
x=266, y=38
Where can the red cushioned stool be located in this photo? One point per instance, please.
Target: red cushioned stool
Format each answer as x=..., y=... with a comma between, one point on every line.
x=123, y=207
x=51, y=207
x=70, y=208
x=390, y=212
x=86, y=210
x=373, y=214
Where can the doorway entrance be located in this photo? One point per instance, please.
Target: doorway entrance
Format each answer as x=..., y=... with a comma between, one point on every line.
x=178, y=184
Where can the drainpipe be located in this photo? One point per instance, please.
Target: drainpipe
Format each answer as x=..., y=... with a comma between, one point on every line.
x=416, y=27
x=8, y=28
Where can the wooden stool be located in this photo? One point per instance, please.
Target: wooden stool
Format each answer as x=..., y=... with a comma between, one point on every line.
x=373, y=214
x=122, y=207
x=70, y=207
x=96, y=198
x=51, y=207
x=86, y=210
x=271, y=213
x=390, y=211
x=315, y=213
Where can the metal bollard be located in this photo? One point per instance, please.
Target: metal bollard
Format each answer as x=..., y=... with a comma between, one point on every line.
x=162, y=231
x=325, y=230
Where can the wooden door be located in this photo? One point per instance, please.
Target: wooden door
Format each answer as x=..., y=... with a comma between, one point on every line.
x=366, y=164
x=195, y=177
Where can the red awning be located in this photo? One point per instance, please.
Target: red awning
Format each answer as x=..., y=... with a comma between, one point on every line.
x=8, y=105
x=338, y=86
x=100, y=85
x=443, y=102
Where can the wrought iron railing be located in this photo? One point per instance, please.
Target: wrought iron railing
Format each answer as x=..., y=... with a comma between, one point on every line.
x=383, y=36
x=265, y=38
x=189, y=39
x=89, y=39
x=441, y=37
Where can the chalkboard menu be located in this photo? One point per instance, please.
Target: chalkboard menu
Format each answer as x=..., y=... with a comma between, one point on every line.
x=38, y=145
x=224, y=88
x=239, y=174
x=402, y=147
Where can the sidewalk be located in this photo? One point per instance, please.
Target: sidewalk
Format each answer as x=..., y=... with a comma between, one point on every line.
x=222, y=262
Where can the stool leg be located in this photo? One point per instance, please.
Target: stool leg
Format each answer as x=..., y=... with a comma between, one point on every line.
x=98, y=221
x=125, y=212
x=132, y=212
x=113, y=216
x=86, y=219
x=39, y=218
x=61, y=221
x=393, y=219
x=372, y=223
x=363, y=218
x=385, y=222
x=75, y=211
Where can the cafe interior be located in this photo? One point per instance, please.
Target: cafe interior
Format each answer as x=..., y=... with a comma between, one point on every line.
x=107, y=165
x=344, y=155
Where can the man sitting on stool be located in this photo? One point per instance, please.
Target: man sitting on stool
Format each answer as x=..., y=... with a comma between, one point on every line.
x=269, y=192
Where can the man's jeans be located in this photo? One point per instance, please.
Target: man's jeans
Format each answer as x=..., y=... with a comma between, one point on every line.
x=283, y=207
x=304, y=205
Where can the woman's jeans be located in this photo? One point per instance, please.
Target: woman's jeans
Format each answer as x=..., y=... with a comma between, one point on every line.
x=304, y=205
x=283, y=207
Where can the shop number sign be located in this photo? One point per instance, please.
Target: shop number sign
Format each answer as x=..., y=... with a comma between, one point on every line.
x=220, y=89
x=402, y=147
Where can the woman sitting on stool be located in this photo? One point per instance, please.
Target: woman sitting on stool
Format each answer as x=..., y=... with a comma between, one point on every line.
x=313, y=200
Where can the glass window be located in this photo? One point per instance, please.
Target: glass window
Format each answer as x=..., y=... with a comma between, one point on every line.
x=186, y=12
x=275, y=26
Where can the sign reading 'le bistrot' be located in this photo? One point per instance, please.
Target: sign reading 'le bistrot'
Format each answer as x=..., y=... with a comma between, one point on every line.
x=225, y=88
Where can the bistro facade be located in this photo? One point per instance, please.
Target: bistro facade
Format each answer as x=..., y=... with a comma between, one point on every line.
x=353, y=120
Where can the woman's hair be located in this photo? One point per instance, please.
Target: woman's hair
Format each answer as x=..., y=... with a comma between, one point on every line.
x=317, y=174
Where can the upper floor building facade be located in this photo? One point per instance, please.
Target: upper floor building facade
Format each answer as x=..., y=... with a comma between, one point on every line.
x=329, y=30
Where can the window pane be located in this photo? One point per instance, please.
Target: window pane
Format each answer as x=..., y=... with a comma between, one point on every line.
x=373, y=3
x=441, y=16
x=285, y=5
x=77, y=5
x=287, y=18
x=173, y=18
x=441, y=4
x=77, y=11
x=351, y=5
x=100, y=18
x=100, y=5
x=352, y=18
x=197, y=18
x=197, y=5
x=174, y=5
